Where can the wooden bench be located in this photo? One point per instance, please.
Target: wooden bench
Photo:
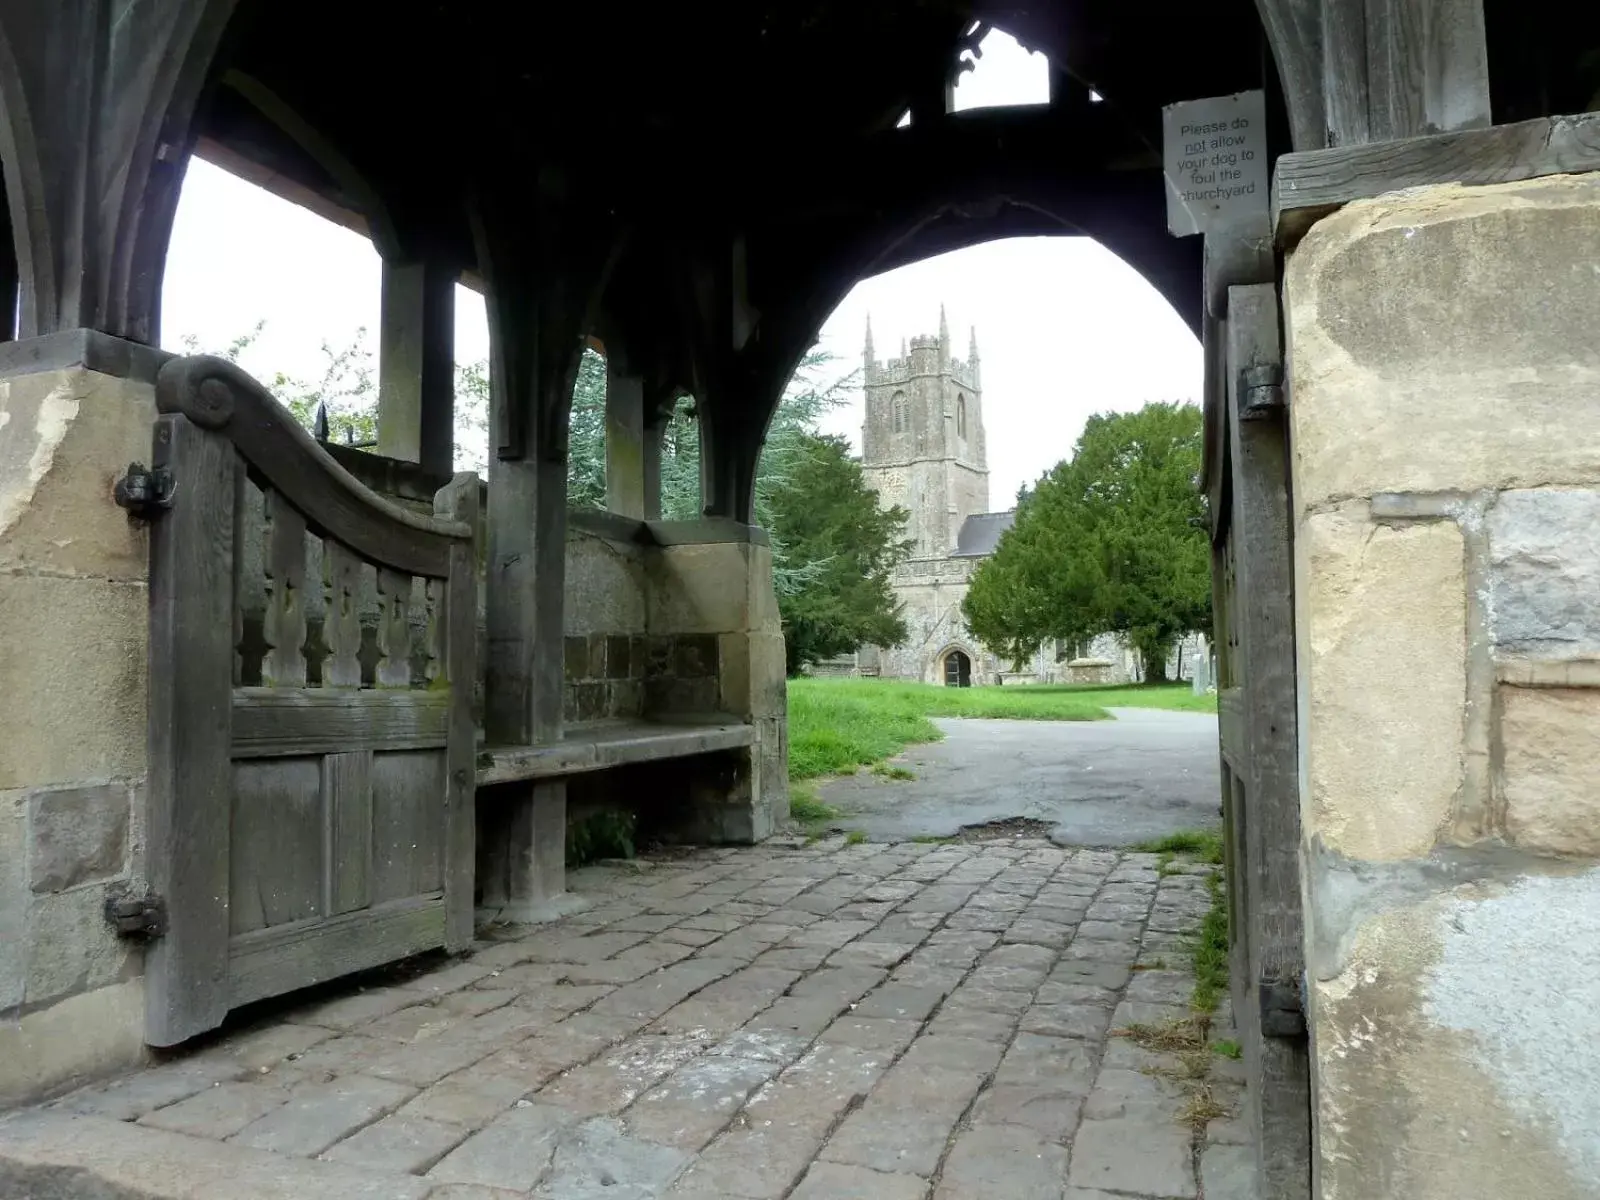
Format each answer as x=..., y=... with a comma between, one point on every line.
x=603, y=745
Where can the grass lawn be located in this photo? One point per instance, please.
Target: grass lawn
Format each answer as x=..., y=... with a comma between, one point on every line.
x=838, y=725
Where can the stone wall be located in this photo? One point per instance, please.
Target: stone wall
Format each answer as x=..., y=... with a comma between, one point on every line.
x=73, y=608
x=1445, y=407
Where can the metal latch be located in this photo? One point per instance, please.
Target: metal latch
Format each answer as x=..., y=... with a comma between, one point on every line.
x=137, y=916
x=1283, y=1013
x=144, y=492
x=1260, y=390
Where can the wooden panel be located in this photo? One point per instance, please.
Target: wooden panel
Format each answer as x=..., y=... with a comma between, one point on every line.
x=277, y=842
x=269, y=721
x=1427, y=67
x=455, y=621
x=190, y=778
x=219, y=395
x=1307, y=187
x=273, y=961
x=408, y=824
x=1230, y=724
x=347, y=858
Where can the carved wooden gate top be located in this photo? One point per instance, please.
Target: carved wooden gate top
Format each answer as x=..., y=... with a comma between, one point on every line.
x=311, y=736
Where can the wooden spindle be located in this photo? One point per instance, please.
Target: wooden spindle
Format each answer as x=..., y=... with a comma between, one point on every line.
x=341, y=621
x=394, y=629
x=284, y=623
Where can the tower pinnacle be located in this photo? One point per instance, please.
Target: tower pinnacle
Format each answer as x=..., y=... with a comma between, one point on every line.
x=866, y=353
x=944, y=334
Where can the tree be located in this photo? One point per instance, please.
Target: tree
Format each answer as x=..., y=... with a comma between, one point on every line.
x=827, y=519
x=1111, y=541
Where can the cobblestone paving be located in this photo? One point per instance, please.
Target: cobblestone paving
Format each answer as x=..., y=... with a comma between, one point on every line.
x=822, y=1023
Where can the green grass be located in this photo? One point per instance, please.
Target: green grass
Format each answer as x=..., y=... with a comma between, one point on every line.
x=854, y=838
x=1211, y=950
x=805, y=808
x=838, y=725
x=1227, y=1048
x=1203, y=845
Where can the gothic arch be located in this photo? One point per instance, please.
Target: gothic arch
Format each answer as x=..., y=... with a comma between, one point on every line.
x=961, y=415
x=899, y=413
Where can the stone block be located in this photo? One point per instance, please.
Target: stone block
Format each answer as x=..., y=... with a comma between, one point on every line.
x=65, y=438
x=51, y=1155
x=82, y=1037
x=598, y=1160
x=1481, y=314
x=75, y=673
x=1003, y=1162
x=1382, y=630
x=79, y=835
x=605, y=585
x=1450, y=1016
x=318, y=1115
x=1544, y=573
x=72, y=948
x=399, y=1142
x=512, y=1153
x=700, y=588
x=14, y=898
x=1551, y=794
x=834, y=1181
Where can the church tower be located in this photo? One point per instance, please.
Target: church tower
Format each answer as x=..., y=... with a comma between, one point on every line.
x=922, y=446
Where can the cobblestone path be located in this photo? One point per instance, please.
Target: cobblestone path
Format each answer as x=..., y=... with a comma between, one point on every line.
x=821, y=1023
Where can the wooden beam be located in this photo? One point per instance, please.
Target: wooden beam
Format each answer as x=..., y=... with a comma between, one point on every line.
x=416, y=364
x=1308, y=186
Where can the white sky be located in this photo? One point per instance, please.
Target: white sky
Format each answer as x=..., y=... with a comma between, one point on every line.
x=1065, y=328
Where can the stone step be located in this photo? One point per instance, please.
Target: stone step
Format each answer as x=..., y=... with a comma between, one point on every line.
x=57, y=1155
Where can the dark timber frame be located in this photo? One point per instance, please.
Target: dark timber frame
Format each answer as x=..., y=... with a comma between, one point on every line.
x=665, y=213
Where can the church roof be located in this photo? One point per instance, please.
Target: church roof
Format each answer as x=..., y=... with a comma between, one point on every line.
x=980, y=533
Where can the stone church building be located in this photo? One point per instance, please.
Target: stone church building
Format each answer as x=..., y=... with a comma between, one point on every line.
x=922, y=447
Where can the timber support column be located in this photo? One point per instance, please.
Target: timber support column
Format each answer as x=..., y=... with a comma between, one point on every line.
x=416, y=364
x=1445, y=433
x=633, y=447
x=543, y=277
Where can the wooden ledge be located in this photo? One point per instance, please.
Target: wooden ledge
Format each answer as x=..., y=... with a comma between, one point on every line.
x=1310, y=184
x=613, y=744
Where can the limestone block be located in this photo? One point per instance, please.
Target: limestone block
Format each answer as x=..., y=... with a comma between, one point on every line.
x=1551, y=791
x=83, y=1037
x=1453, y=1044
x=1382, y=651
x=1544, y=573
x=79, y=835
x=605, y=590
x=73, y=673
x=14, y=899
x=65, y=438
x=1472, y=366
x=701, y=588
x=71, y=947
x=753, y=682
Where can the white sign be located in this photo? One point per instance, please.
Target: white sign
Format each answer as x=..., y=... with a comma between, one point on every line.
x=1215, y=161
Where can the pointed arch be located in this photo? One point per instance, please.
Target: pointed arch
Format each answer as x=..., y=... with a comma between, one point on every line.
x=899, y=413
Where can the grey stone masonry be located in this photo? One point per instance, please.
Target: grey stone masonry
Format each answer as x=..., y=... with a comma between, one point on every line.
x=900, y=1022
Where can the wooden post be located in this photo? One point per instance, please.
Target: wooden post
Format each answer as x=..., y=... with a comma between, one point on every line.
x=627, y=450
x=1270, y=837
x=416, y=365
x=10, y=280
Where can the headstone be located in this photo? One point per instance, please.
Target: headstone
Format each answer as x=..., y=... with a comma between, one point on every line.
x=1214, y=159
x=1202, y=667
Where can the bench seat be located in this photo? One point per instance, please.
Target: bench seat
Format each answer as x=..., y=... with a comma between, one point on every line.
x=600, y=746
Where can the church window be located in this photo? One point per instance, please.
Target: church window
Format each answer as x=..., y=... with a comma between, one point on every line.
x=899, y=412
x=961, y=416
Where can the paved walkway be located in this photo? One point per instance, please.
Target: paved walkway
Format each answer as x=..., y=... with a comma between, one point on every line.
x=1095, y=783
x=823, y=1023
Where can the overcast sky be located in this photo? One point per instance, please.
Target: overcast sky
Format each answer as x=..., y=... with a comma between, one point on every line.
x=1065, y=328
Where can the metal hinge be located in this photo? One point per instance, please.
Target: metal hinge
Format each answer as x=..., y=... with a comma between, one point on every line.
x=143, y=492
x=137, y=916
x=1260, y=390
x=1283, y=1011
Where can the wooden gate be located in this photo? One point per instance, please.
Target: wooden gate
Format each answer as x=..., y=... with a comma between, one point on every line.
x=311, y=736
x=1247, y=479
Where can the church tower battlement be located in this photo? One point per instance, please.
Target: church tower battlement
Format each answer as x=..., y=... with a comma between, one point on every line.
x=922, y=445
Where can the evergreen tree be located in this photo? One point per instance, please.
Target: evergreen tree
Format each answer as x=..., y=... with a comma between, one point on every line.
x=1113, y=540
